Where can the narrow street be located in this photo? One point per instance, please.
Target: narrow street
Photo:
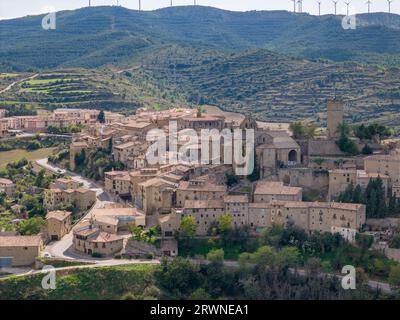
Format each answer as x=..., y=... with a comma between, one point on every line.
x=62, y=249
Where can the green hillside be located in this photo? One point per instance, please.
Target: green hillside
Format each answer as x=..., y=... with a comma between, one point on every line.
x=274, y=87
x=80, y=88
x=96, y=36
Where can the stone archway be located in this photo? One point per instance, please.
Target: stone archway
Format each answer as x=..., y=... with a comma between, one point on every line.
x=292, y=156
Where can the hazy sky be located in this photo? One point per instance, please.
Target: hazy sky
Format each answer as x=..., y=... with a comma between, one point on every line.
x=18, y=8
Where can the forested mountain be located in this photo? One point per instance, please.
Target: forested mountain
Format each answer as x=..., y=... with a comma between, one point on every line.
x=95, y=36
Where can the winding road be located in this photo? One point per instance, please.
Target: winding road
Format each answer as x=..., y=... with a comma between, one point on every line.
x=18, y=81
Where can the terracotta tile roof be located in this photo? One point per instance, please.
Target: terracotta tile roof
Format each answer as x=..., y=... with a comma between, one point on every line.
x=20, y=241
x=105, y=237
x=58, y=215
x=6, y=181
x=275, y=188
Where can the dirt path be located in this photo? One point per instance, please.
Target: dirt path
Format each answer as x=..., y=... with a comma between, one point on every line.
x=18, y=81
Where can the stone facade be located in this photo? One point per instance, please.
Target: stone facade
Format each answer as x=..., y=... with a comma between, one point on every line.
x=59, y=223
x=22, y=250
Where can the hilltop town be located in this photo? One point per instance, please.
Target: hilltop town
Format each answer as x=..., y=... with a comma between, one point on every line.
x=104, y=201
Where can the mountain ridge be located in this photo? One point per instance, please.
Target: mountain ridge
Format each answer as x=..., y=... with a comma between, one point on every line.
x=122, y=33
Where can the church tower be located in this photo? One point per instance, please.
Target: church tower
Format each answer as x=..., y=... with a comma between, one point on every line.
x=335, y=118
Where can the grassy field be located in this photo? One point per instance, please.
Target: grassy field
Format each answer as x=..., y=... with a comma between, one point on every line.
x=15, y=155
x=103, y=283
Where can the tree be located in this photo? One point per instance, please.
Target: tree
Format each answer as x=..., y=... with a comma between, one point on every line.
x=101, y=117
x=395, y=243
x=313, y=266
x=200, y=111
x=31, y=226
x=303, y=131
x=392, y=204
x=288, y=257
x=80, y=158
x=297, y=129
x=34, y=145
x=200, y=294
x=216, y=257
x=344, y=129
x=347, y=195
x=367, y=150
x=177, y=278
x=394, y=277
x=188, y=227
x=364, y=241
x=347, y=145
x=225, y=223
x=358, y=196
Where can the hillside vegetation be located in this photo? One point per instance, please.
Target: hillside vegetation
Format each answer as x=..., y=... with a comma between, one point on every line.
x=274, y=87
x=277, y=65
x=81, y=88
x=92, y=37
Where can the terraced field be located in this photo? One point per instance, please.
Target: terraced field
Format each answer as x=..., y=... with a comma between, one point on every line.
x=278, y=88
x=80, y=88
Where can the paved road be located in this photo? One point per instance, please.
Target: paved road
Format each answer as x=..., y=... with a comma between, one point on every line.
x=62, y=249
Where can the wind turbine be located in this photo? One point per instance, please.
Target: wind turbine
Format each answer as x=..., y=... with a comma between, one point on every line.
x=89, y=3
x=347, y=3
x=171, y=3
x=319, y=7
x=140, y=5
x=390, y=4
x=294, y=5
x=300, y=2
x=194, y=2
x=369, y=5
x=335, y=4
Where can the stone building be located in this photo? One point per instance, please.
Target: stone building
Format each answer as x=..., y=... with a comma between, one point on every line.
x=89, y=240
x=199, y=189
x=267, y=191
x=64, y=184
x=117, y=182
x=309, y=216
x=114, y=220
x=340, y=179
x=385, y=164
x=82, y=199
x=59, y=223
x=7, y=186
x=156, y=194
x=19, y=251
x=335, y=118
x=275, y=150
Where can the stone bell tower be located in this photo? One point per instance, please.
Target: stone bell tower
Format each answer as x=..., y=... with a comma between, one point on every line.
x=335, y=118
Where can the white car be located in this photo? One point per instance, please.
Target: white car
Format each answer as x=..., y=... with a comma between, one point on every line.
x=46, y=255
